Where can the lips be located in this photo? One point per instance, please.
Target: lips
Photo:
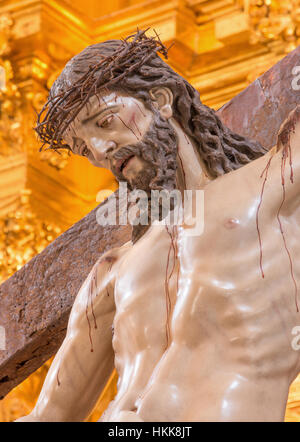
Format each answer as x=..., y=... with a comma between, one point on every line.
x=121, y=164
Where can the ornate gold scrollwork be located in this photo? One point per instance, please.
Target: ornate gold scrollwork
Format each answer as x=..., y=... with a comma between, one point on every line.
x=273, y=20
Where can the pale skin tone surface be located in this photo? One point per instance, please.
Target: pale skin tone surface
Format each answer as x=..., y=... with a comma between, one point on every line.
x=227, y=353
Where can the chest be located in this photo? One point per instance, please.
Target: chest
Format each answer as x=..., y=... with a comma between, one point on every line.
x=172, y=280
x=146, y=289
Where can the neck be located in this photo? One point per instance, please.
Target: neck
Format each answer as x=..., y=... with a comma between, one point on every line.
x=191, y=173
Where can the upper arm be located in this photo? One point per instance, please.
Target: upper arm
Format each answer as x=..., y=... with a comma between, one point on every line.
x=285, y=166
x=95, y=299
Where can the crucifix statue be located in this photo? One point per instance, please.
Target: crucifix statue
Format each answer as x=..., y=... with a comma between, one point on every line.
x=198, y=327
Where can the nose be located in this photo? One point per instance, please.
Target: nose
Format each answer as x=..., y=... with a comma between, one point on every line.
x=101, y=149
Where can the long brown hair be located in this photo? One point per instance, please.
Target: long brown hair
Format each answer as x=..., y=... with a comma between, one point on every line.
x=134, y=67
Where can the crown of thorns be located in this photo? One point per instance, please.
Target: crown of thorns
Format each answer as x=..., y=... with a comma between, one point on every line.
x=60, y=110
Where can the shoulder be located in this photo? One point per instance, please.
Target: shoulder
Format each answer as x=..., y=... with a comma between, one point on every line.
x=101, y=278
x=105, y=269
x=112, y=257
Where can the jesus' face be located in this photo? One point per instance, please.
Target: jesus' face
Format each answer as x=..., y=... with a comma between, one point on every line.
x=119, y=133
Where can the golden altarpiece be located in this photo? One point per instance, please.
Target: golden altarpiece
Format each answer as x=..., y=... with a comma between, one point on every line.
x=221, y=46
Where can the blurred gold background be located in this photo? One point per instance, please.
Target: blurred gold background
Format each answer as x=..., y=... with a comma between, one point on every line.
x=221, y=47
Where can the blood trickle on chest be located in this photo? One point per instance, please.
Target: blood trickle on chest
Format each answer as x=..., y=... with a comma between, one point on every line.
x=146, y=292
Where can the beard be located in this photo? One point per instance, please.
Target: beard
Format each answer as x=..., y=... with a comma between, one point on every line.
x=158, y=149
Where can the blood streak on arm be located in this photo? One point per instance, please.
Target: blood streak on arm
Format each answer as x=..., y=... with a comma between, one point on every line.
x=93, y=290
x=286, y=154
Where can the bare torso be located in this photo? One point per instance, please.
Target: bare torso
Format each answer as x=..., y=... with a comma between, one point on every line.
x=199, y=334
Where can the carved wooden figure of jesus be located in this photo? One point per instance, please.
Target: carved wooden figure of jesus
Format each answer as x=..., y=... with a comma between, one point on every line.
x=199, y=328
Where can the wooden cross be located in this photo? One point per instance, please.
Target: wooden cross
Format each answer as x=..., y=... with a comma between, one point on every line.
x=36, y=301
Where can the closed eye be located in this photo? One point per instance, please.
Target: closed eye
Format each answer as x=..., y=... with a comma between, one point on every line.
x=104, y=123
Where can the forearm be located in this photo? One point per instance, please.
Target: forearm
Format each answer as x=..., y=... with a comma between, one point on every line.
x=84, y=362
x=76, y=377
